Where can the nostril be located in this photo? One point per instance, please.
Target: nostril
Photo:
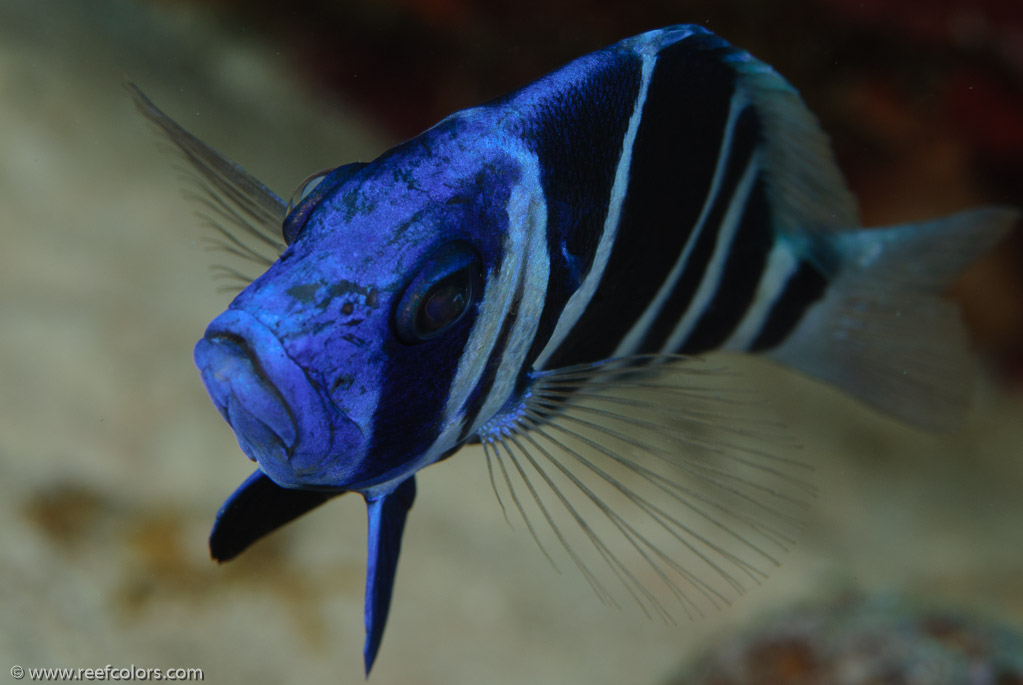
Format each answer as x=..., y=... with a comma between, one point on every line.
x=342, y=382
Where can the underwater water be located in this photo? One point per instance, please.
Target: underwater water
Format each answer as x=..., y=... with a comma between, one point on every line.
x=113, y=460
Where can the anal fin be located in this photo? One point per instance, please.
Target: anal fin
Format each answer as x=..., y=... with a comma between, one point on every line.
x=387, y=514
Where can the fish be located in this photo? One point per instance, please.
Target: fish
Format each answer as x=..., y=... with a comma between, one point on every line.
x=548, y=274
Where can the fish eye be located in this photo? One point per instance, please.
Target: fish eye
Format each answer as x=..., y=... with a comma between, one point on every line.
x=448, y=283
x=305, y=188
x=444, y=304
x=308, y=195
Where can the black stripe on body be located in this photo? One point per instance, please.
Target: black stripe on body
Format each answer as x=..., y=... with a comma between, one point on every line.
x=739, y=278
x=578, y=137
x=673, y=161
x=410, y=407
x=744, y=140
x=805, y=286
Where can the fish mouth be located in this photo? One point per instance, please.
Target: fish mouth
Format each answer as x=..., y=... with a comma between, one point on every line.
x=278, y=415
x=243, y=394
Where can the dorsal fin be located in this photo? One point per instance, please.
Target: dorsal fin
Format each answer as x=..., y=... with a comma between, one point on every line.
x=804, y=181
x=806, y=187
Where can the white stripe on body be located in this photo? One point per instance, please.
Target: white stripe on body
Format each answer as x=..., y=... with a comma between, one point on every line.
x=722, y=247
x=526, y=206
x=781, y=264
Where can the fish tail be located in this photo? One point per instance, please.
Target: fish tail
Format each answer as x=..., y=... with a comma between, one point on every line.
x=883, y=332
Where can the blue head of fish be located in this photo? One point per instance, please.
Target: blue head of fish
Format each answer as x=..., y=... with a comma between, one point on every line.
x=334, y=367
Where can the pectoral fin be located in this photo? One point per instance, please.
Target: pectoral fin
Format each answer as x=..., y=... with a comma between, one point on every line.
x=387, y=515
x=259, y=506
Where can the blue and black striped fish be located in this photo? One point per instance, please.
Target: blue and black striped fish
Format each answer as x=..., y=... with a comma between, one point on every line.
x=543, y=274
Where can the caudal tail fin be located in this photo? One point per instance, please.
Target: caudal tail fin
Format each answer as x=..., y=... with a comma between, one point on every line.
x=883, y=333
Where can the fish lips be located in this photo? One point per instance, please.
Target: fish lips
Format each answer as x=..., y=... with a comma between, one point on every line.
x=279, y=417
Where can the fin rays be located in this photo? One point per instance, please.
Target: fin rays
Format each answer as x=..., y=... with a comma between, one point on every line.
x=672, y=488
x=243, y=214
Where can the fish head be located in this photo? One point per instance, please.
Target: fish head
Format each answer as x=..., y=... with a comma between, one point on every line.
x=333, y=368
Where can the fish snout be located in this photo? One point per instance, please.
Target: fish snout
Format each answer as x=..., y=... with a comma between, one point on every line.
x=278, y=416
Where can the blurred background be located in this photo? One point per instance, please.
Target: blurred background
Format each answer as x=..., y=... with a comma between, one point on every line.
x=113, y=461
